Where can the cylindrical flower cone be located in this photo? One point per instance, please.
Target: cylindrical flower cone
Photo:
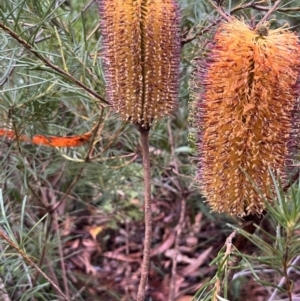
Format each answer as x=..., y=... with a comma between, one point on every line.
x=247, y=115
x=141, y=55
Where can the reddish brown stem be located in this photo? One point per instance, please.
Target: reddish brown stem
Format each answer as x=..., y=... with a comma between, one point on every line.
x=270, y=12
x=148, y=214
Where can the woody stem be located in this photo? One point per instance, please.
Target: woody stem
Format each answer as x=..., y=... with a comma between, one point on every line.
x=148, y=214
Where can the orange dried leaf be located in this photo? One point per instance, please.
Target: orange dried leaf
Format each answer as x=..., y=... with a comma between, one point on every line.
x=54, y=141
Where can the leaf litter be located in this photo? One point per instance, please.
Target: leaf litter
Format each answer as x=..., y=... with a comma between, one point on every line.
x=107, y=258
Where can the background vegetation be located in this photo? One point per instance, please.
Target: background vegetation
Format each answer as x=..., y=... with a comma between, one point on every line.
x=71, y=221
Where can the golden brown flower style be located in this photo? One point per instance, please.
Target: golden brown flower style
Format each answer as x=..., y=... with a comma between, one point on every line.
x=247, y=114
x=141, y=53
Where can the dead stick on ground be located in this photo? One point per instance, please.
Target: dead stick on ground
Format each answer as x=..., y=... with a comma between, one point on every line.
x=148, y=214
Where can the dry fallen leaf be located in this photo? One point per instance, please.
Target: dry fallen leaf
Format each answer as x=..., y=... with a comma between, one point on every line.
x=197, y=225
x=94, y=230
x=166, y=245
x=122, y=257
x=197, y=262
x=180, y=257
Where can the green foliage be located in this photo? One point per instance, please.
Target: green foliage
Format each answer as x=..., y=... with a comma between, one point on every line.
x=275, y=262
x=52, y=83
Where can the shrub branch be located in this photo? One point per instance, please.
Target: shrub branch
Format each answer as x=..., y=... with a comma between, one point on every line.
x=66, y=75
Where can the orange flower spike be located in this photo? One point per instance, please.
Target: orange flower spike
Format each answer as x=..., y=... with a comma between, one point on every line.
x=247, y=114
x=141, y=55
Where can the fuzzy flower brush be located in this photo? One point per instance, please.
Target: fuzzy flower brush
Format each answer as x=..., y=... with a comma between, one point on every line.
x=141, y=52
x=247, y=114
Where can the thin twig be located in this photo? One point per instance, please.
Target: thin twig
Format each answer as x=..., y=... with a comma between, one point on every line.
x=252, y=4
x=178, y=232
x=202, y=32
x=31, y=263
x=220, y=10
x=223, y=267
x=85, y=8
x=283, y=279
x=67, y=75
x=43, y=257
x=78, y=293
x=45, y=205
x=250, y=272
x=180, y=224
x=228, y=243
x=282, y=9
x=270, y=12
x=285, y=262
x=241, y=243
x=148, y=214
x=11, y=70
x=61, y=255
x=79, y=174
x=50, y=272
x=111, y=141
x=52, y=209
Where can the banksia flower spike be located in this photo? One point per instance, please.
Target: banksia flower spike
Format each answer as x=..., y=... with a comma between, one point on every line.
x=141, y=53
x=141, y=56
x=246, y=98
